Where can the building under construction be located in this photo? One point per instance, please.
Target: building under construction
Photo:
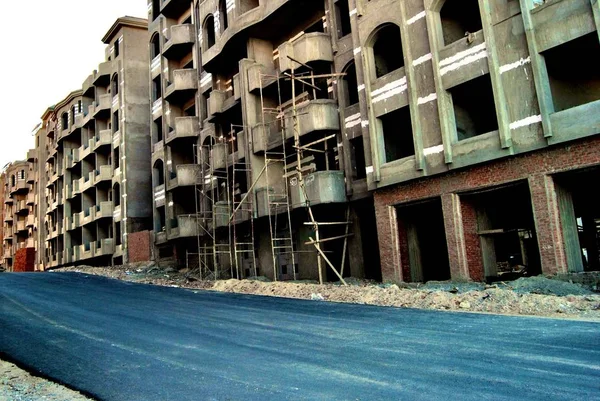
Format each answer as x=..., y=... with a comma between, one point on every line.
x=305, y=139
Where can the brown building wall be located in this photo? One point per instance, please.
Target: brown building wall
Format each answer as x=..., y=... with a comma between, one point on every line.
x=24, y=260
x=460, y=220
x=140, y=246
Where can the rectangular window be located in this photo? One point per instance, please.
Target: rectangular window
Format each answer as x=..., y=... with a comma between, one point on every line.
x=474, y=108
x=397, y=134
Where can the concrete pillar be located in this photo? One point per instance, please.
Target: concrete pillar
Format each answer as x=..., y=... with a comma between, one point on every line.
x=389, y=244
x=553, y=212
x=464, y=249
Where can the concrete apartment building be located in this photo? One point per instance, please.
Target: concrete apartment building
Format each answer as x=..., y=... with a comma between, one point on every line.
x=218, y=145
x=19, y=217
x=95, y=146
x=456, y=126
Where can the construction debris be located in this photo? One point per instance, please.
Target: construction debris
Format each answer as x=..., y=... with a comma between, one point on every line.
x=535, y=296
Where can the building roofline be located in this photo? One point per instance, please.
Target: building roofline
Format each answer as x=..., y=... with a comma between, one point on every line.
x=133, y=22
x=67, y=99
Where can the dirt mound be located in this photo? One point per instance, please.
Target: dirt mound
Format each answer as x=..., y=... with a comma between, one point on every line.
x=546, y=286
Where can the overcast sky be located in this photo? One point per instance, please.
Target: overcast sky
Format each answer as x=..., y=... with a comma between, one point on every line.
x=49, y=49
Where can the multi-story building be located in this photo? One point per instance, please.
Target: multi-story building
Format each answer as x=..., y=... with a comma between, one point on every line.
x=19, y=218
x=97, y=155
x=224, y=157
x=456, y=126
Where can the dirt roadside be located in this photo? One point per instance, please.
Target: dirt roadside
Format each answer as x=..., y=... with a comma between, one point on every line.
x=18, y=385
x=534, y=296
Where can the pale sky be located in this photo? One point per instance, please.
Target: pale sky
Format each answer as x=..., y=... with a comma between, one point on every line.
x=49, y=49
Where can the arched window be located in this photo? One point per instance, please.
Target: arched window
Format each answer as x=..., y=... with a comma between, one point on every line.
x=386, y=48
x=154, y=46
x=115, y=85
x=350, y=85
x=223, y=14
x=117, y=195
x=459, y=18
x=158, y=173
x=209, y=31
x=64, y=119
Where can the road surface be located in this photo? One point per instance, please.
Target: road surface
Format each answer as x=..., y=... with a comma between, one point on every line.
x=122, y=341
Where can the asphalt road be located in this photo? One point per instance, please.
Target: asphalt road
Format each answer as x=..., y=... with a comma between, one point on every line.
x=123, y=341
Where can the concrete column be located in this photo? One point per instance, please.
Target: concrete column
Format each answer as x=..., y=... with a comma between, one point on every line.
x=460, y=223
x=389, y=245
x=553, y=208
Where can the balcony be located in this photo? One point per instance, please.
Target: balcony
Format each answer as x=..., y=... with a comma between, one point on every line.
x=321, y=187
x=103, y=106
x=86, y=251
x=76, y=125
x=180, y=43
x=102, y=75
x=31, y=155
x=8, y=253
x=307, y=48
x=22, y=206
x=31, y=198
x=186, y=175
x=76, y=189
x=8, y=216
x=313, y=115
x=86, y=149
x=218, y=156
x=185, y=127
x=87, y=216
x=71, y=157
x=183, y=87
x=104, y=173
x=159, y=195
x=30, y=221
x=8, y=199
x=118, y=251
x=29, y=243
x=104, y=138
x=173, y=8
x=72, y=223
x=31, y=176
x=21, y=226
x=189, y=226
x=103, y=210
x=104, y=247
x=160, y=238
x=68, y=191
x=86, y=181
x=20, y=185
x=216, y=103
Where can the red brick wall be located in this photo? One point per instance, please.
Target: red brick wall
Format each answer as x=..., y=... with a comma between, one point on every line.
x=531, y=166
x=138, y=245
x=24, y=260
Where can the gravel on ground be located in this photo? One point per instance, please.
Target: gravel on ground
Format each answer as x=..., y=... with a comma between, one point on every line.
x=532, y=296
x=18, y=385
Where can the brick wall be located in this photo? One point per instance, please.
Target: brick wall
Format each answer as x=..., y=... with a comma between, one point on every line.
x=24, y=260
x=463, y=242
x=139, y=246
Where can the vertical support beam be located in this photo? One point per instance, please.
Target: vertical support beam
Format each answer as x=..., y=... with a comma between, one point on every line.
x=413, y=95
x=548, y=225
x=445, y=106
x=454, y=225
x=540, y=74
x=494, y=67
x=389, y=244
